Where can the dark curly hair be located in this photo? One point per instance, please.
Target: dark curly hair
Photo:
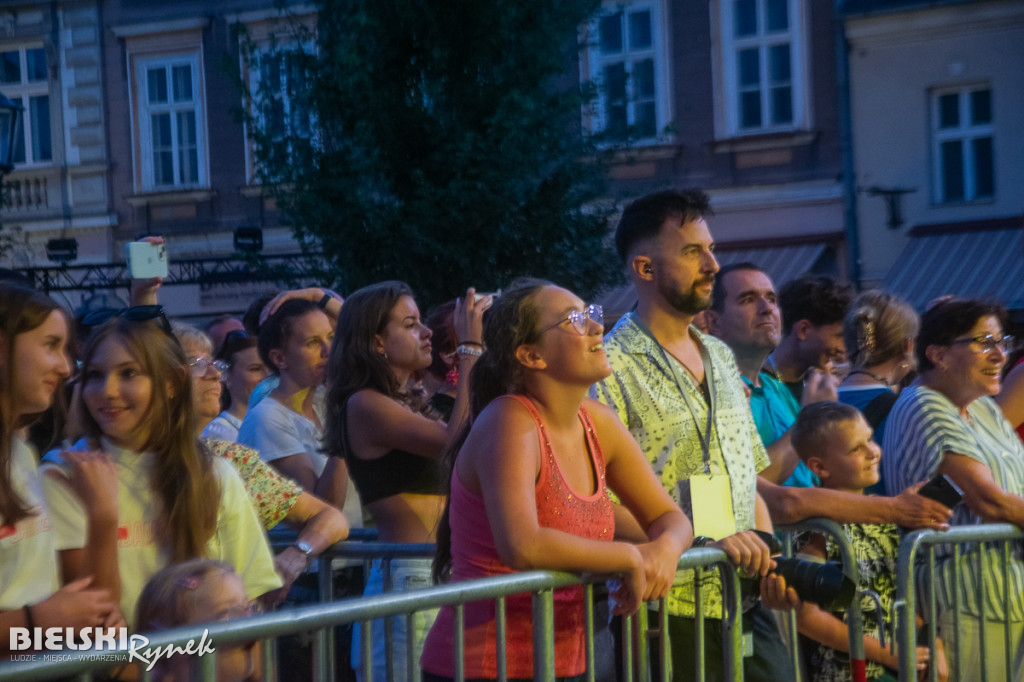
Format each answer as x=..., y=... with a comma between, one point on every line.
x=820, y=300
x=945, y=321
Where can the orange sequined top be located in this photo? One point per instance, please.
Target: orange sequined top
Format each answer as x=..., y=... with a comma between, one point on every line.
x=474, y=556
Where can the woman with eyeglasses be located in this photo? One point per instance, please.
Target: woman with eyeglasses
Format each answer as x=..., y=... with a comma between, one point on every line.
x=175, y=500
x=530, y=481
x=33, y=367
x=274, y=497
x=946, y=422
x=393, y=452
x=241, y=370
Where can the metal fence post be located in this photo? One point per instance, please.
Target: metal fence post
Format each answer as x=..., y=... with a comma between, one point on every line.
x=544, y=635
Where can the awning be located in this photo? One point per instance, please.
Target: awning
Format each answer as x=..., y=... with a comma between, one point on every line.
x=781, y=263
x=970, y=263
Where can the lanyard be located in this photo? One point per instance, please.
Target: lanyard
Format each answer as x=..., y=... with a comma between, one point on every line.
x=703, y=437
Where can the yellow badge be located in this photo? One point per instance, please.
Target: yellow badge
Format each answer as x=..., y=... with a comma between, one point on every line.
x=711, y=498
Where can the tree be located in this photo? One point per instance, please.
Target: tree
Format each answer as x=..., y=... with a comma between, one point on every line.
x=439, y=142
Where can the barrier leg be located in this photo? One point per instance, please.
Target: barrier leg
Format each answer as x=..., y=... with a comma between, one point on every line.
x=544, y=635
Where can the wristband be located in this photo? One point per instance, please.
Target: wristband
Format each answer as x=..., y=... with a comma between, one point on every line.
x=471, y=343
x=463, y=349
x=324, y=301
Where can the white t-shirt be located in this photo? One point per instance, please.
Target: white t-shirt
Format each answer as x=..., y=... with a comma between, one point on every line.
x=223, y=427
x=239, y=539
x=276, y=431
x=28, y=549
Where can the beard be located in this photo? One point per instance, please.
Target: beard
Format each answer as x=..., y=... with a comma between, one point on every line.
x=687, y=302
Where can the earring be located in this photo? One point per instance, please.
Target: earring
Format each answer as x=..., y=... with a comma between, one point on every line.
x=384, y=353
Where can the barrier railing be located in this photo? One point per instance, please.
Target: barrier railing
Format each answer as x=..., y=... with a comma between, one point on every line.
x=968, y=543
x=855, y=615
x=321, y=617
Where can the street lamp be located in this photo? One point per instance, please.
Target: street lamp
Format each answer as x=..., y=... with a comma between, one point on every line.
x=10, y=128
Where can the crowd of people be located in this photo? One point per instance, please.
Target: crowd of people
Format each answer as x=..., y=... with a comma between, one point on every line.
x=511, y=430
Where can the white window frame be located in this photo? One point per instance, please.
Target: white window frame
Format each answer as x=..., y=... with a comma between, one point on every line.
x=145, y=110
x=796, y=36
x=964, y=133
x=22, y=93
x=593, y=63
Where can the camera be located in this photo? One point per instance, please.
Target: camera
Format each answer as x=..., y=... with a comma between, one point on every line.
x=823, y=584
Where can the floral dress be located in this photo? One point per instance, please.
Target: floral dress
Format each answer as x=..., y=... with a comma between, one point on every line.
x=876, y=548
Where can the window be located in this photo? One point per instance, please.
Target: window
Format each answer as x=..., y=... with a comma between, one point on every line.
x=279, y=78
x=962, y=131
x=762, y=55
x=625, y=59
x=170, y=123
x=24, y=79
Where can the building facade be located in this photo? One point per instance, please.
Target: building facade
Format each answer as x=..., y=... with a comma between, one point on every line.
x=739, y=98
x=938, y=130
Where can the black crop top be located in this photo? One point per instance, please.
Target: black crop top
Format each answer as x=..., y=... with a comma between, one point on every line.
x=394, y=473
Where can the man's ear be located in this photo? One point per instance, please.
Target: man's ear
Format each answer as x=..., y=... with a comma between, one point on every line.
x=276, y=356
x=711, y=318
x=642, y=268
x=528, y=357
x=802, y=328
x=817, y=467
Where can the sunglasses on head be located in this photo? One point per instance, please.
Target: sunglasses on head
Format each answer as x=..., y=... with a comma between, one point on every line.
x=136, y=313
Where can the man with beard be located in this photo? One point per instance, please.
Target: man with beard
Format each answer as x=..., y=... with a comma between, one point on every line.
x=681, y=396
x=745, y=315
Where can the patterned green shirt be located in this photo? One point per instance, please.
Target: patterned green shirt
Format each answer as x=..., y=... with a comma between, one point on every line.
x=644, y=389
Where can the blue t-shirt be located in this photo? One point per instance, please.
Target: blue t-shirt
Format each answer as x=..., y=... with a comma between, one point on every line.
x=775, y=410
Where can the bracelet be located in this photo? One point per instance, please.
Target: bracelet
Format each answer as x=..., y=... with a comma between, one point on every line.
x=29, y=620
x=471, y=343
x=325, y=300
x=463, y=349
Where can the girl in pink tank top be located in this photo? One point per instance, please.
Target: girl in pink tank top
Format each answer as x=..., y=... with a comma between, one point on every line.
x=530, y=481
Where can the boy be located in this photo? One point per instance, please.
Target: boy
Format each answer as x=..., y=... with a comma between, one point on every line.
x=834, y=441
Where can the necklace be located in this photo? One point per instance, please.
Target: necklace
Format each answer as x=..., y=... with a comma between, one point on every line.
x=874, y=376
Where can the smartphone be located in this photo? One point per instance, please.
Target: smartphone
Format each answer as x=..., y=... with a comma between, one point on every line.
x=146, y=260
x=943, y=490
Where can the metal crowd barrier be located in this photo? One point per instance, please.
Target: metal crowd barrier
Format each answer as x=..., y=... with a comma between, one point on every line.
x=910, y=563
x=855, y=615
x=320, y=618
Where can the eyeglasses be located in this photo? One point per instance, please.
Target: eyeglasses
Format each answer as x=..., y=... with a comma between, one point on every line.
x=578, y=319
x=137, y=313
x=253, y=608
x=200, y=366
x=987, y=343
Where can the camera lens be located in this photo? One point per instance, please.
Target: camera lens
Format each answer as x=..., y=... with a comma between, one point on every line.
x=822, y=584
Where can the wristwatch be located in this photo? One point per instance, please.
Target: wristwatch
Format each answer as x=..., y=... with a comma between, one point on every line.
x=702, y=541
x=306, y=549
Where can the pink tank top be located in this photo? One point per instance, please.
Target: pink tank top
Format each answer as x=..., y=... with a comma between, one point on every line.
x=474, y=556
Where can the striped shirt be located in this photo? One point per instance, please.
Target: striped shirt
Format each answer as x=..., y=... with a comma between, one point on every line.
x=922, y=427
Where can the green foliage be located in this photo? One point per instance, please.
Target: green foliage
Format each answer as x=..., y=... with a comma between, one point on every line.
x=446, y=146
